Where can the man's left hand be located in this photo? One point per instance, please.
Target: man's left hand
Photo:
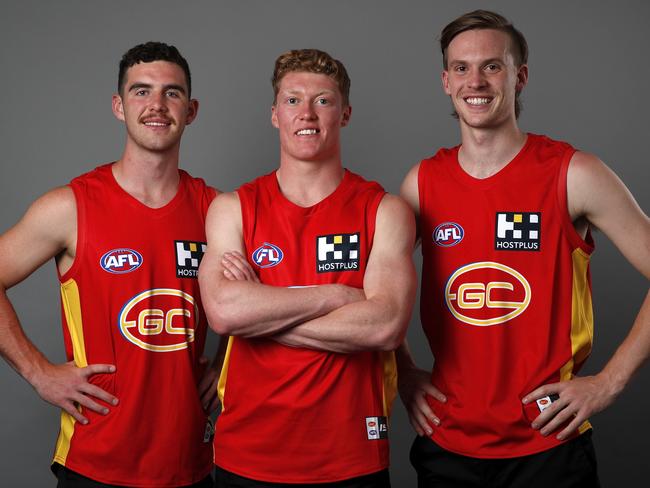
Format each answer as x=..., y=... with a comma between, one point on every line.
x=578, y=400
x=208, y=385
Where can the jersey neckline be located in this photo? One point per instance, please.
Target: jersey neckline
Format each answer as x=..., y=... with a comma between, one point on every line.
x=465, y=178
x=279, y=197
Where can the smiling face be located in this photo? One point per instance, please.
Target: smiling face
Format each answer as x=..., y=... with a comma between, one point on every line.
x=309, y=114
x=155, y=106
x=482, y=78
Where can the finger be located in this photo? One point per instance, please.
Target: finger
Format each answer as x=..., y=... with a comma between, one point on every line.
x=571, y=428
x=548, y=413
x=214, y=403
x=425, y=409
x=232, y=268
x=542, y=391
x=97, y=392
x=90, y=404
x=92, y=369
x=208, y=394
x=421, y=420
x=72, y=410
x=434, y=392
x=563, y=416
x=229, y=275
x=242, y=265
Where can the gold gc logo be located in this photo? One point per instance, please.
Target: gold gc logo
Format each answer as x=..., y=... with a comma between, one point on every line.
x=487, y=293
x=160, y=320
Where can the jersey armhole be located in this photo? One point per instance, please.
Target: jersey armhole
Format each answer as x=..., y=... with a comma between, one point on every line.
x=247, y=204
x=575, y=239
x=373, y=206
x=81, y=235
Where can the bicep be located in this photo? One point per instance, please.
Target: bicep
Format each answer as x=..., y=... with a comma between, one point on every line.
x=47, y=229
x=390, y=272
x=604, y=200
x=223, y=232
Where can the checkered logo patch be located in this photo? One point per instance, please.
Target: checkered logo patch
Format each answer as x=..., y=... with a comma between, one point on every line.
x=337, y=252
x=518, y=231
x=188, y=258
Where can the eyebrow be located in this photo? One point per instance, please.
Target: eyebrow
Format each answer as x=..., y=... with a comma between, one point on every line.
x=299, y=92
x=137, y=86
x=484, y=61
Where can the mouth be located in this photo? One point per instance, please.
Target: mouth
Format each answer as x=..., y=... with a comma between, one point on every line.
x=477, y=101
x=307, y=132
x=157, y=123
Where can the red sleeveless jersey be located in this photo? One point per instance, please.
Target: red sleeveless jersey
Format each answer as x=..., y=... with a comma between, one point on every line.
x=506, y=295
x=296, y=415
x=131, y=298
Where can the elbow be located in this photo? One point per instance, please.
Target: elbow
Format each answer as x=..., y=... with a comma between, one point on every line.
x=221, y=317
x=391, y=335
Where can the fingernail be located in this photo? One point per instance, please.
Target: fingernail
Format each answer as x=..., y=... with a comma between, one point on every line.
x=111, y=369
x=105, y=411
x=560, y=437
x=429, y=432
x=84, y=421
x=524, y=400
x=114, y=401
x=435, y=421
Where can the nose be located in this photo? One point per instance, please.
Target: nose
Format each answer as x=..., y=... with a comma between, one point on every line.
x=476, y=78
x=307, y=112
x=158, y=102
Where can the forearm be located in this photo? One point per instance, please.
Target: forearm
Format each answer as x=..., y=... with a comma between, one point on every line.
x=249, y=309
x=631, y=354
x=372, y=324
x=15, y=347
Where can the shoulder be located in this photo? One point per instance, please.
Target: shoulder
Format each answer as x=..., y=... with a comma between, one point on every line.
x=225, y=205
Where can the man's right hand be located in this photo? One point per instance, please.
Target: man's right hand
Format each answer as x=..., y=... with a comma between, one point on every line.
x=414, y=385
x=66, y=386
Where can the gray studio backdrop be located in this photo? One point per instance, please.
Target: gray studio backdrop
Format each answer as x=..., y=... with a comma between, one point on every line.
x=589, y=72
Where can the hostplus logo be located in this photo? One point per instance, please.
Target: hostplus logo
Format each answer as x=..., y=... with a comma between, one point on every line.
x=337, y=252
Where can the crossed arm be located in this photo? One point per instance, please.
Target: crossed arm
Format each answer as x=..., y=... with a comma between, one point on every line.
x=334, y=318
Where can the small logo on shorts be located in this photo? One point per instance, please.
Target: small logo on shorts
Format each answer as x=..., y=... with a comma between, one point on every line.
x=545, y=402
x=376, y=428
x=188, y=258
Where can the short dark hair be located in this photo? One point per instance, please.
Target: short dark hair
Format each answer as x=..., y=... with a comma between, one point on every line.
x=311, y=61
x=149, y=52
x=485, y=19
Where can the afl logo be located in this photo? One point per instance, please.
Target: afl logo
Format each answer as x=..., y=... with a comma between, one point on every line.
x=487, y=293
x=120, y=261
x=267, y=255
x=448, y=234
x=159, y=320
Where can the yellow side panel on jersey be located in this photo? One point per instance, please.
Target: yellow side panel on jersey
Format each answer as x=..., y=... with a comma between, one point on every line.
x=390, y=380
x=221, y=386
x=582, y=319
x=72, y=311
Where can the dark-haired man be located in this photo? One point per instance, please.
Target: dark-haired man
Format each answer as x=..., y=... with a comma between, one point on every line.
x=309, y=271
x=134, y=396
x=504, y=220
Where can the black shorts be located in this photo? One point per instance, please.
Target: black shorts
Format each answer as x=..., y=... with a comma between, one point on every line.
x=226, y=479
x=70, y=479
x=569, y=465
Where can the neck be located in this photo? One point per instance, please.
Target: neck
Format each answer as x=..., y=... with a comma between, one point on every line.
x=150, y=177
x=306, y=183
x=484, y=152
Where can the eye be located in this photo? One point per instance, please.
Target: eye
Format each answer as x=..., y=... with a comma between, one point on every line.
x=492, y=67
x=292, y=100
x=460, y=68
x=173, y=94
x=140, y=92
x=322, y=101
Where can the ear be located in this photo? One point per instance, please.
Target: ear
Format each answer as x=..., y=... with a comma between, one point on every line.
x=117, y=106
x=445, y=81
x=345, y=118
x=192, y=111
x=522, y=77
x=274, y=117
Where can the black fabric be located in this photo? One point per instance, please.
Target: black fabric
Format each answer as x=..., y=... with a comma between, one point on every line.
x=569, y=465
x=70, y=479
x=226, y=479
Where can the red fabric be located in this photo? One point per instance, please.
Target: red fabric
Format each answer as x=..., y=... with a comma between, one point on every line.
x=293, y=414
x=154, y=437
x=485, y=370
